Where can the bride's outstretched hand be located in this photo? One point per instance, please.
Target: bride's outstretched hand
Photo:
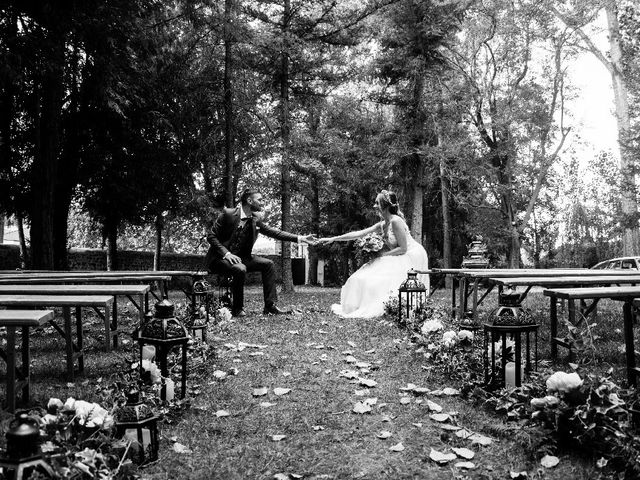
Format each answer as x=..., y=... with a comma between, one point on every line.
x=324, y=241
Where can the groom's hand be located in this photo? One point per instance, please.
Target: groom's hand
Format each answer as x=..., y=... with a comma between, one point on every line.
x=232, y=259
x=308, y=239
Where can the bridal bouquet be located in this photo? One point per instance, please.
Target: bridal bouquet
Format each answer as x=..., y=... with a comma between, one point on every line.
x=369, y=247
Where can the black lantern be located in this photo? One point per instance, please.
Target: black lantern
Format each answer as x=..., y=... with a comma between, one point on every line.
x=136, y=422
x=477, y=254
x=164, y=331
x=509, y=310
x=507, y=327
x=201, y=307
x=225, y=295
x=23, y=458
x=411, y=295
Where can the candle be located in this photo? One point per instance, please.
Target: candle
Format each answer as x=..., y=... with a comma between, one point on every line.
x=510, y=375
x=132, y=435
x=197, y=334
x=169, y=386
x=148, y=352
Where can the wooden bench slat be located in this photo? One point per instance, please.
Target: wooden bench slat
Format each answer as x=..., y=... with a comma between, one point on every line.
x=26, y=318
x=56, y=300
x=75, y=289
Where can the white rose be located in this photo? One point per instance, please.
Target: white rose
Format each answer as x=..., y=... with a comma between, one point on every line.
x=224, y=314
x=465, y=335
x=70, y=404
x=563, y=382
x=56, y=403
x=431, y=326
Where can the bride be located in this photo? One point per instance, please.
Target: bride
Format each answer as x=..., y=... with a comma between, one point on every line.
x=364, y=293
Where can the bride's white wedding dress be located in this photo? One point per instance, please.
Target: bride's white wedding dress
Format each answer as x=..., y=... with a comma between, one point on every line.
x=364, y=293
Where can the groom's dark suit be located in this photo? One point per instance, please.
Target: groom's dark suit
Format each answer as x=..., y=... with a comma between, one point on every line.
x=232, y=234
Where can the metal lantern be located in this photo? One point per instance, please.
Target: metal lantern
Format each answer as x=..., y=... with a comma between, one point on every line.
x=507, y=327
x=477, y=255
x=164, y=331
x=201, y=307
x=23, y=457
x=135, y=421
x=411, y=295
x=225, y=291
x=509, y=310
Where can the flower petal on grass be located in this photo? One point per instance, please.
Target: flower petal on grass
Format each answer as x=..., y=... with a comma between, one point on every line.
x=450, y=391
x=266, y=404
x=464, y=453
x=467, y=465
x=549, y=461
x=434, y=407
x=277, y=438
x=317, y=428
x=222, y=413
x=352, y=345
x=440, y=417
x=367, y=382
x=405, y=400
x=440, y=457
x=384, y=434
x=281, y=391
x=260, y=392
x=398, y=447
x=351, y=359
x=180, y=448
x=361, y=407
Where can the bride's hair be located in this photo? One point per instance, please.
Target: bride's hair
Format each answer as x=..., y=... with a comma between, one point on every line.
x=389, y=199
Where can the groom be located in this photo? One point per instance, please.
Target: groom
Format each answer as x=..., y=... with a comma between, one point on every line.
x=232, y=237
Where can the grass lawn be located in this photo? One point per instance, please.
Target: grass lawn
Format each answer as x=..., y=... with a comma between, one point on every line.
x=323, y=438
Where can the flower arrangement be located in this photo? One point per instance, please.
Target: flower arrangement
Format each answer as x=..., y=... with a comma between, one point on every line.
x=368, y=248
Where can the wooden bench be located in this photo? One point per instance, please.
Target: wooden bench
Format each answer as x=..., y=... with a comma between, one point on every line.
x=74, y=350
x=130, y=291
x=19, y=379
x=161, y=280
x=625, y=294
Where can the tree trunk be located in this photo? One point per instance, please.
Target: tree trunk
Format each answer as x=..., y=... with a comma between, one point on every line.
x=67, y=176
x=630, y=240
x=229, y=161
x=514, y=251
x=159, y=224
x=315, y=222
x=285, y=129
x=417, y=203
x=47, y=154
x=24, y=253
x=445, y=188
x=2, y=219
x=111, y=234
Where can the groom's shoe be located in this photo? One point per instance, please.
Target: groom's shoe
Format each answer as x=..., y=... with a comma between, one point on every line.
x=239, y=313
x=274, y=310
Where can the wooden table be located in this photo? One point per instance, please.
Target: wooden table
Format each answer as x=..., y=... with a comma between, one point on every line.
x=468, y=281
x=130, y=291
x=20, y=379
x=625, y=294
x=162, y=280
x=74, y=350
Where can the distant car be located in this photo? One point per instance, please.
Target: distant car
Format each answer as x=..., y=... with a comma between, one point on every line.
x=621, y=263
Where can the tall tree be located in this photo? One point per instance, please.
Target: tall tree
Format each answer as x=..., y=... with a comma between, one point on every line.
x=614, y=61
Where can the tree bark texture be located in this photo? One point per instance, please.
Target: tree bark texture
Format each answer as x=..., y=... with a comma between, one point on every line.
x=47, y=155
x=445, y=188
x=285, y=131
x=631, y=239
x=159, y=224
x=229, y=160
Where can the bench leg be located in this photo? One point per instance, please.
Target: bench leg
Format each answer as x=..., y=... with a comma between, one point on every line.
x=11, y=368
x=143, y=301
x=553, y=310
x=114, y=323
x=107, y=328
x=628, y=340
x=26, y=365
x=80, y=343
x=66, y=313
